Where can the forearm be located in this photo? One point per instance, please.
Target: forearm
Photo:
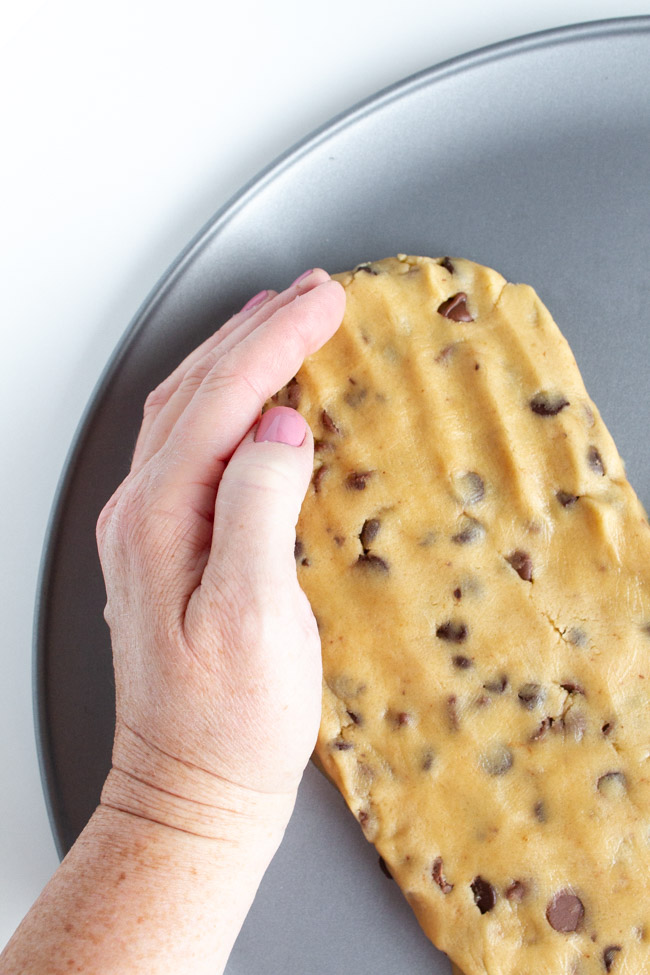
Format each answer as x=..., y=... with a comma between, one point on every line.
x=135, y=895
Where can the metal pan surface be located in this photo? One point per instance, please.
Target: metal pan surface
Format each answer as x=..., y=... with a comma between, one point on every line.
x=531, y=156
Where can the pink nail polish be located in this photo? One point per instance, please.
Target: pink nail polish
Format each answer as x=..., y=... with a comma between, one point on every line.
x=281, y=424
x=302, y=277
x=256, y=300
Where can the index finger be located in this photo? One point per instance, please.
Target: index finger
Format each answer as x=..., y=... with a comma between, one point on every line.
x=232, y=394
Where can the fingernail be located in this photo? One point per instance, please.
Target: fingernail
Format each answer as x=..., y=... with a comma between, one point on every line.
x=302, y=277
x=256, y=300
x=281, y=424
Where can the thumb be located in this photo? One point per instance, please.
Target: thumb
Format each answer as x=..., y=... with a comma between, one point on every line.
x=259, y=500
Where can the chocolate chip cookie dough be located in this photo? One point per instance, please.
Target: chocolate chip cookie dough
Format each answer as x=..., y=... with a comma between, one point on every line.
x=479, y=568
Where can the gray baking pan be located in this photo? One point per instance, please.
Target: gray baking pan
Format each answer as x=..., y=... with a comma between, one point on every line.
x=531, y=156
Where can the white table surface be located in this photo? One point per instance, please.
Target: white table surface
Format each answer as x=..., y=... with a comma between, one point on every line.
x=125, y=126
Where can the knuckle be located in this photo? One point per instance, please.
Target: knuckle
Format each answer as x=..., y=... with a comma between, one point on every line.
x=259, y=481
x=128, y=529
x=145, y=530
x=237, y=385
x=104, y=519
x=156, y=399
x=196, y=375
x=133, y=527
x=101, y=526
x=108, y=615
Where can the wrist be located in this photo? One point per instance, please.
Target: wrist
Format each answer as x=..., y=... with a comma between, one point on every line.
x=152, y=785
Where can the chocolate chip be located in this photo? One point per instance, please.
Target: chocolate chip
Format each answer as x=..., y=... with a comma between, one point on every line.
x=456, y=308
x=366, y=267
x=572, y=688
x=322, y=446
x=457, y=594
x=344, y=686
x=452, y=712
x=577, y=637
x=539, y=811
x=612, y=785
x=402, y=718
x=573, y=723
x=445, y=354
x=516, y=891
x=356, y=718
x=373, y=562
x=607, y=728
x=462, y=663
x=365, y=772
x=448, y=266
x=369, y=531
x=357, y=480
x=485, y=896
x=470, y=531
x=329, y=423
x=298, y=549
x=530, y=695
x=319, y=474
x=439, y=877
x=343, y=746
x=384, y=869
x=294, y=393
x=497, y=761
x=543, y=729
x=452, y=632
x=427, y=760
x=469, y=487
x=355, y=396
x=522, y=563
x=567, y=500
x=548, y=404
x=305, y=562
x=595, y=462
x=565, y=912
x=609, y=956
x=497, y=686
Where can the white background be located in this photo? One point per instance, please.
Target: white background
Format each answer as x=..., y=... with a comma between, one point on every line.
x=124, y=126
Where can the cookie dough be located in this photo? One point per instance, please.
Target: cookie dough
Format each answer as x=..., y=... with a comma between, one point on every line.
x=479, y=568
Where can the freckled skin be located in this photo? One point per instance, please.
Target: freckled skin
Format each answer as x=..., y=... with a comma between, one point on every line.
x=216, y=657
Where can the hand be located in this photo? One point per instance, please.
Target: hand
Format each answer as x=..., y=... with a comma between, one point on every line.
x=217, y=661
x=216, y=651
